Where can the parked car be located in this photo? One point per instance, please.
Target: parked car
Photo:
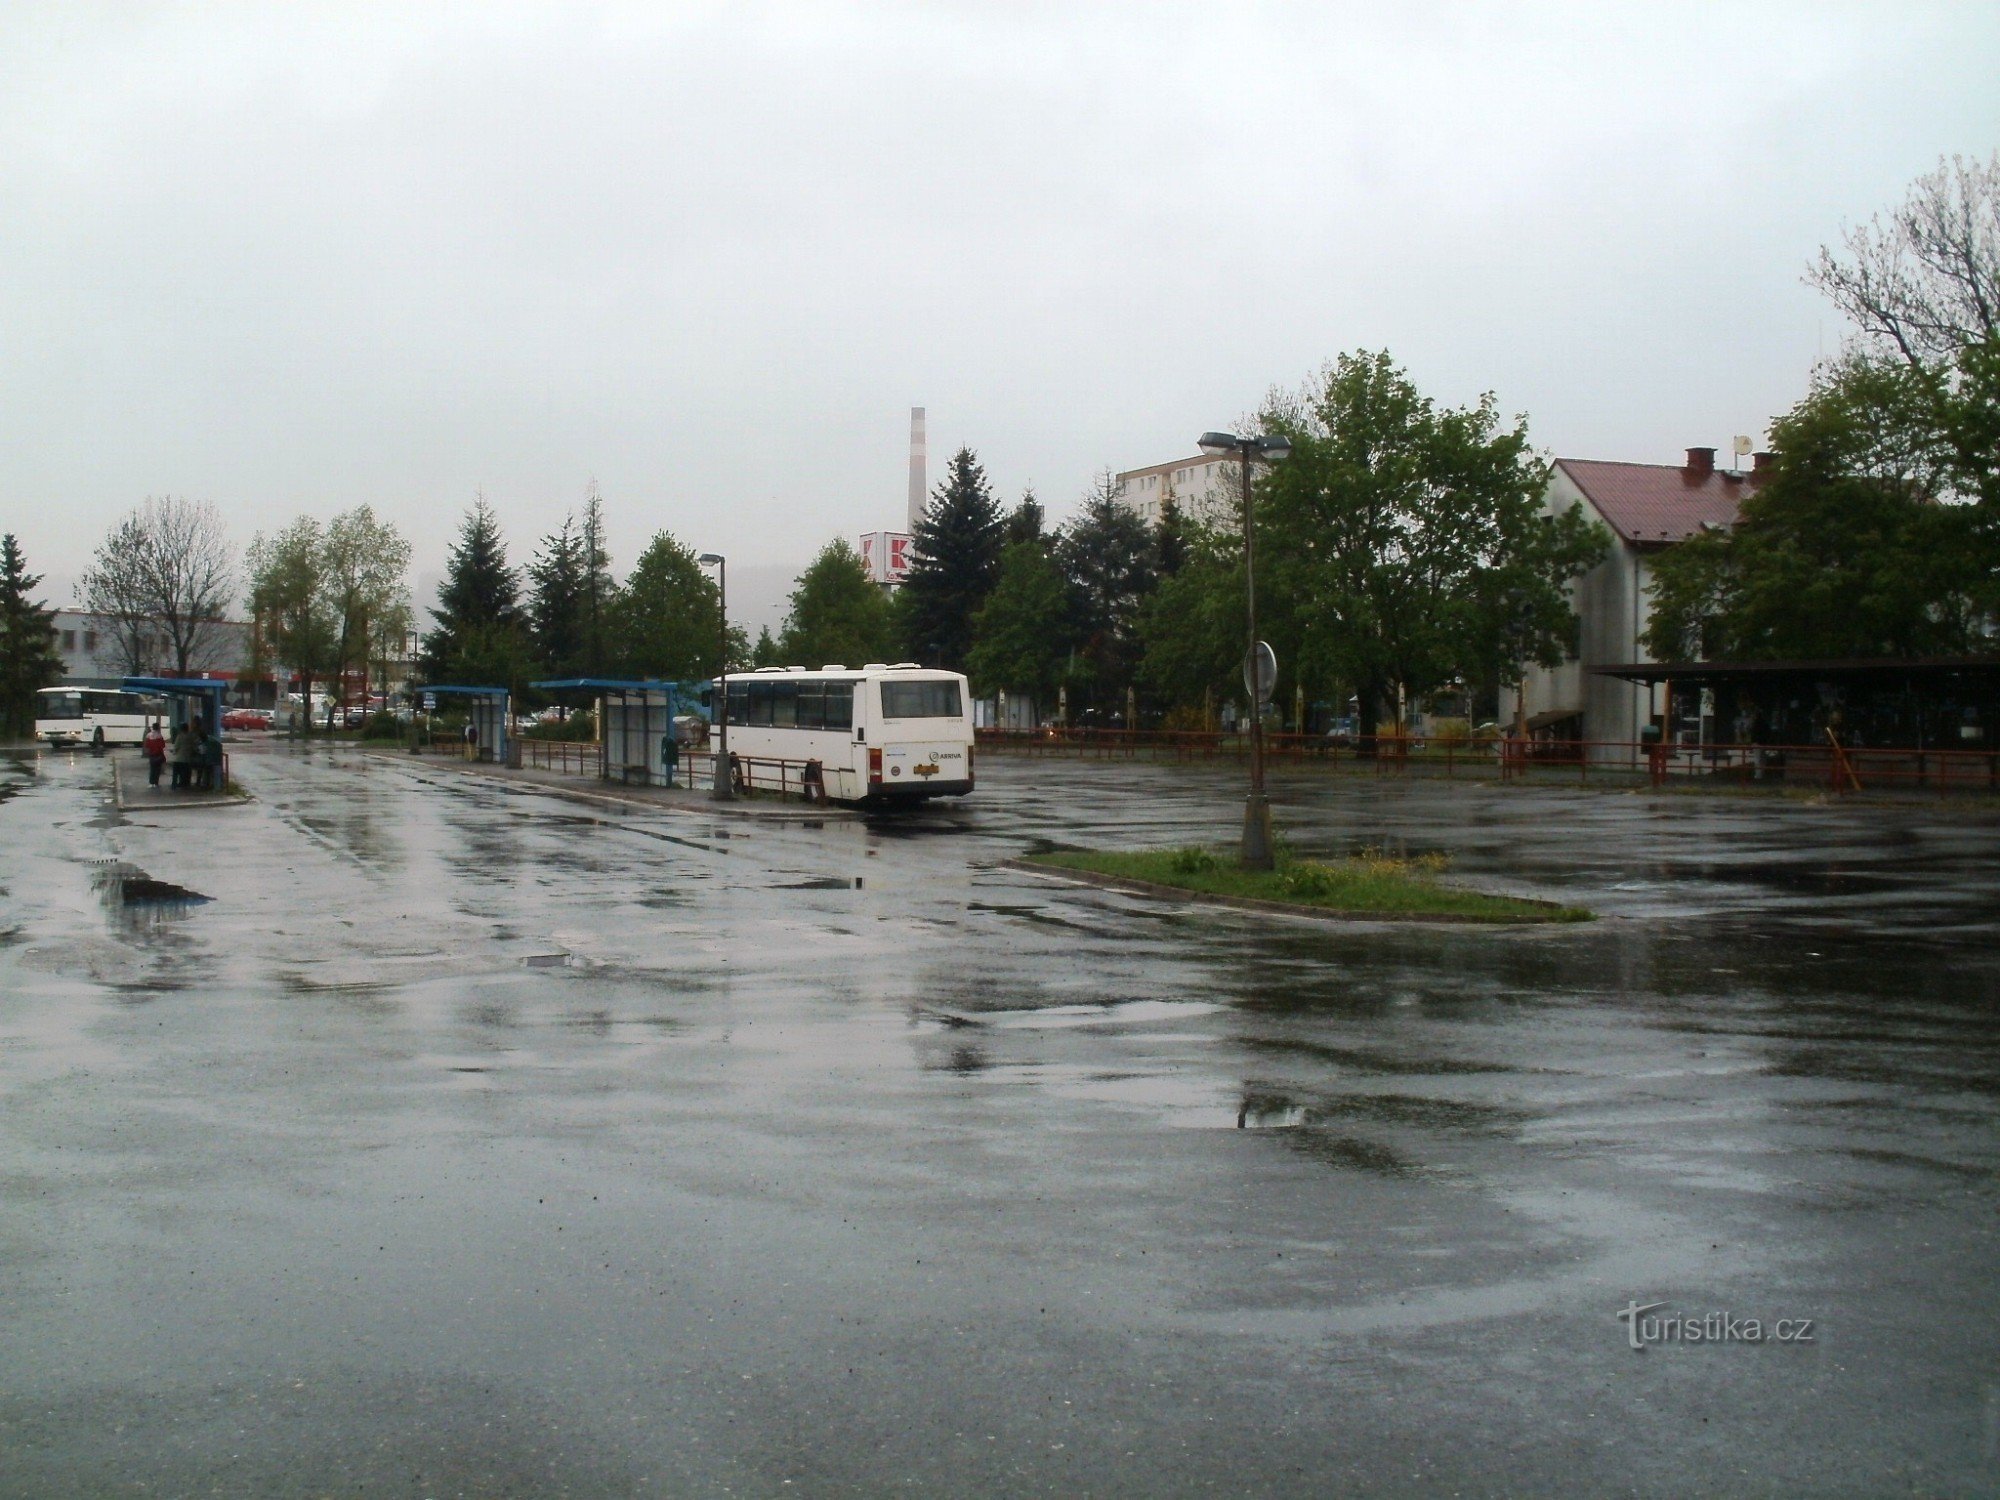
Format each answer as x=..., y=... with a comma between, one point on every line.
x=246, y=718
x=1343, y=732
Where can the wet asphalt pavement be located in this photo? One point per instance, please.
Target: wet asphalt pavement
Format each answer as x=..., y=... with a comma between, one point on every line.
x=469, y=1140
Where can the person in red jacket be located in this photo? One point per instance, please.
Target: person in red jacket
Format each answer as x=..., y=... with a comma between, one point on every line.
x=154, y=747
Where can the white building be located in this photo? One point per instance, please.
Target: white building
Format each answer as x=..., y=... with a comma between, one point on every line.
x=1646, y=508
x=88, y=644
x=1205, y=488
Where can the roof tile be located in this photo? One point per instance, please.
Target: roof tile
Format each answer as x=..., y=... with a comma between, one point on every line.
x=1653, y=505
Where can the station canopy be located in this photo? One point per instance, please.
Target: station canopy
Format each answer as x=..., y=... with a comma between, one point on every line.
x=637, y=735
x=186, y=692
x=486, y=707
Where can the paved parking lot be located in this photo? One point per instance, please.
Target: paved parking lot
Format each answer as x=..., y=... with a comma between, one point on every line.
x=468, y=1140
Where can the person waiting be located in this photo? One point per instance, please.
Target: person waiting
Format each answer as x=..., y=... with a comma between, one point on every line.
x=207, y=759
x=182, y=755
x=154, y=747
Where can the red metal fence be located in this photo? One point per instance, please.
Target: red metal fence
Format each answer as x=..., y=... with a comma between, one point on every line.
x=1841, y=768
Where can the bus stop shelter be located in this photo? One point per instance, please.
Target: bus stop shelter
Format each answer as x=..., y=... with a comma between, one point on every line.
x=487, y=709
x=187, y=698
x=637, y=728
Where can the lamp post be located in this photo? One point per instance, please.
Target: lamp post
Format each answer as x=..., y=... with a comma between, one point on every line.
x=724, y=788
x=1256, y=807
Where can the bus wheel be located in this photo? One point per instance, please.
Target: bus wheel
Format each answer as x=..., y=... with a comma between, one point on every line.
x=97, y=738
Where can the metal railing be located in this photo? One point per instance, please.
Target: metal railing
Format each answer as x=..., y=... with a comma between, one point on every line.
x=1842, y=767
x=570, y=757
x=753, y=773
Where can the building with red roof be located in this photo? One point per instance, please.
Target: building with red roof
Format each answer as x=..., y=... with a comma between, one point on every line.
x=1646, y=508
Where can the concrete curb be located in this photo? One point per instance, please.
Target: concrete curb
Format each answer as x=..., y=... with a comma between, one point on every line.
x=660, y=799
x=171, y=802
x=1281, y=908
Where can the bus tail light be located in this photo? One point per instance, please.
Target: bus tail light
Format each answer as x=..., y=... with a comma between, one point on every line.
x=874, y=767
x=968, y=765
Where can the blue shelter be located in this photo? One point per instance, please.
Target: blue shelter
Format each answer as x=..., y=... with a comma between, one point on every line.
x=637, y=727
x=187, y=698
x=487, y=708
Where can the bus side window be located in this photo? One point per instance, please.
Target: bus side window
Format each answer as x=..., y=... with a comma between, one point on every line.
x=812, y=706
x=839, y=709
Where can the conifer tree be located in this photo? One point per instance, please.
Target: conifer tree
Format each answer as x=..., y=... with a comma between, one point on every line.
x=598, y=588
x=480, y=635
x=1108, y=556
x=555, y=597
x=957, y=561
x=29, y=661
x=1024, y=522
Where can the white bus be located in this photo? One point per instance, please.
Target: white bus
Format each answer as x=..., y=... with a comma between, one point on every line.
x=880, y=733
x=94, y=716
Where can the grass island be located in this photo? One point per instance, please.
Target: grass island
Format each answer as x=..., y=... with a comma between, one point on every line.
x=1372, y=885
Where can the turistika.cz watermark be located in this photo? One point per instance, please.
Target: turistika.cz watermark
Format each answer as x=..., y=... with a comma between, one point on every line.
x=1646, y=1326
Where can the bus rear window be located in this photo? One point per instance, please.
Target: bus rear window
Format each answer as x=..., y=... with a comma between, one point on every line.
x=921, y=700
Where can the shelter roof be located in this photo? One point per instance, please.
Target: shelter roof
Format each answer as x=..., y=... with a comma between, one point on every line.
x=464, y=691
x=190, y=686
x=1844, y=667
x=1655, y=505
x=605, y=685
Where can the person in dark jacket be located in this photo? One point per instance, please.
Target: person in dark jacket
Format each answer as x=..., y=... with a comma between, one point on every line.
x=181, y=756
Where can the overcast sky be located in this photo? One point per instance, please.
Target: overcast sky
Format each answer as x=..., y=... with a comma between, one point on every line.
x=291, y=258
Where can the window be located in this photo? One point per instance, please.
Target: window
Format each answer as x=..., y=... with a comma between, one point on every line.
x=62, y=705
x=839, y=706
x=90, y=640
x=69, y=640
x=921, y=700
x=784, y=697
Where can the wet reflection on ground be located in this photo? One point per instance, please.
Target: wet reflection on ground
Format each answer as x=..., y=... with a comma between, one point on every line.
x=841, y=1128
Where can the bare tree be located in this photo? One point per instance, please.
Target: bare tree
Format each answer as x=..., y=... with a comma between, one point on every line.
x=164, y=577
x=1925, y=282
x=115, y=588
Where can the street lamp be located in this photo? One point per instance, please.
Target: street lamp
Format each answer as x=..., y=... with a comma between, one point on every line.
x=724, y=789
x=1256, y=808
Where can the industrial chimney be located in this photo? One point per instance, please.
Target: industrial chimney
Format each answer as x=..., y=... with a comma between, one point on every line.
x=919, y=480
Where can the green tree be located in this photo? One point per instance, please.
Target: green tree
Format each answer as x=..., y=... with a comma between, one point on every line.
x=366, y=561
x=481, y=635
x=291, y=601
x=555, y=602
x=1403, y=542
x=1021, y=637
x=767, y=652
x=597, y=603
x=1879, y=532
x=667, y=619
x=1026, y=521
x=1922, y=288
x=1107, y=555
x=957, y=560
x=838, y=613
x=29, y=660
x=1845, y=551
x=1170, y=538
x=1193, y=624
